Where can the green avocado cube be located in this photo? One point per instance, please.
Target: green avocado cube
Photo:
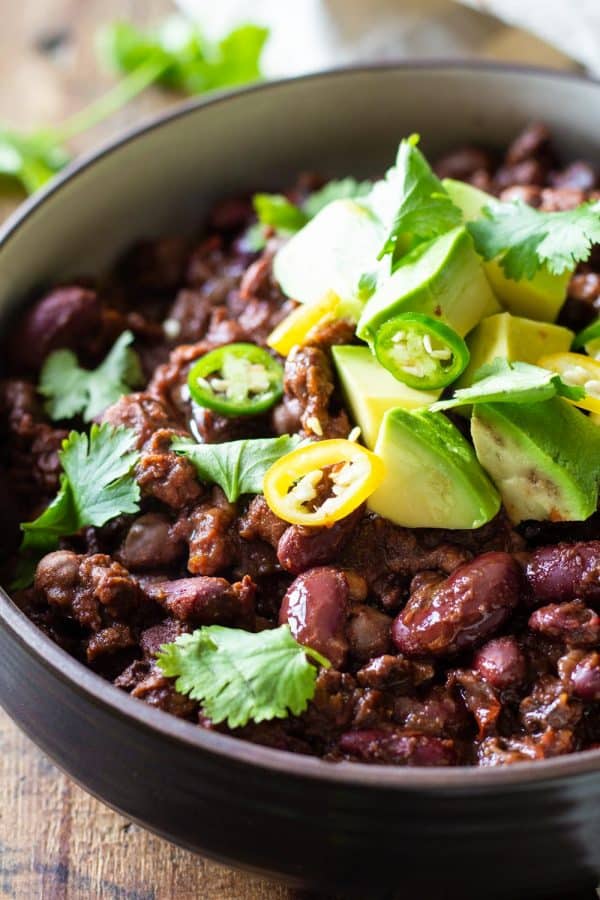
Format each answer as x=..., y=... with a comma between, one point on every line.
x=539, y=298
x=370, y=390
x=544, y=458
x=433, y=478
x=444, y=278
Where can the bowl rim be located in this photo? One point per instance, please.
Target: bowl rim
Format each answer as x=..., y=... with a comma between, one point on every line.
x=100, y=692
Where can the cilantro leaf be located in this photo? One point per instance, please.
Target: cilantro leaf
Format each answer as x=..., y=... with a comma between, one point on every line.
x=238, y=467
x=525, y=239
x=277, y=212
x=511, y=382
x=239, y=676
x=30, y=160
x=412, y=202
x=96, y=485
x=71, y=390
x=188, y=61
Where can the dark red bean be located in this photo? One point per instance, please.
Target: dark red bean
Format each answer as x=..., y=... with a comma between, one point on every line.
x=463, y=163
x=578, y=174
x=302, y=548
x=60, y=319
x=207, y=601
x=461, y=611
x=398, y=748
x=585, y=678
x=501, y=663
x=149, y=544
x=315, y=608
x=534, y=139
x=574, y=623
x=565, y=572
x=530, y=171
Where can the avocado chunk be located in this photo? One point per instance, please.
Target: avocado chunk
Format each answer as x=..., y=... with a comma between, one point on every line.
x=443, y=278
x=330, y=253
x=433, y=479
x=543, y=457
x=514, y=339
x=370, y=390
x=539, y=298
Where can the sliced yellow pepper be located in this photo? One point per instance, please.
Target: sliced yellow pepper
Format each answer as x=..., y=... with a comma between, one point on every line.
x=291, y=485
x=580, y=371
x=295, y=328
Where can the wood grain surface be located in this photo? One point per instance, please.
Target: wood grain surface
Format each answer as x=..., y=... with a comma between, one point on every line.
x=57, y=842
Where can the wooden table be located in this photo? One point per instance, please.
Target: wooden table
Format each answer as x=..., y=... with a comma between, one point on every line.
x=57, y=842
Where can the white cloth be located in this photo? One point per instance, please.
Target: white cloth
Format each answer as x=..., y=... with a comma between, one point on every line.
x=315, y=34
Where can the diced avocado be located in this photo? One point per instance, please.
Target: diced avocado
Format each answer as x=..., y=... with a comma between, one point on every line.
x=543, y=457
x=514, y=339
x=370, y=390
x=444, y=278
x=330, y=253
x=433, y=479
x=539, y=298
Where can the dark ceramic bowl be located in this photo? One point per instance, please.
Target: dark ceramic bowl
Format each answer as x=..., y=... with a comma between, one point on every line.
x=532, y=830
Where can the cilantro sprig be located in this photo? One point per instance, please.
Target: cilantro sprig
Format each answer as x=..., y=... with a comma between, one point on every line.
x=502, y=381
x=96, y=485
x=524, y=239
x=239, y=676
x=71, y=390
x=412, y=202
x=238, y=467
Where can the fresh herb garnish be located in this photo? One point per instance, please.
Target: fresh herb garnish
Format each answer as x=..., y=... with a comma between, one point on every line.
x=71, y=390
x=188, y=62
x=97, y=485
x=511, y=382
x=238, y=467
x=525, y=239
x=175, y=56
x=285, y=218
x=412, y=202
x=239, y=676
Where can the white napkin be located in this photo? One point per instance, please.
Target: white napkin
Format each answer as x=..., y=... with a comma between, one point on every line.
x=315, y=34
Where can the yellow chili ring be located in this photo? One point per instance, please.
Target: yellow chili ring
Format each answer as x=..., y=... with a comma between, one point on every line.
x=577, y=370
x=296, y=327
x=291, y=485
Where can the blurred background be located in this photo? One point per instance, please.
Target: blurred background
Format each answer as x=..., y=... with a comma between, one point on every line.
x=76, y=73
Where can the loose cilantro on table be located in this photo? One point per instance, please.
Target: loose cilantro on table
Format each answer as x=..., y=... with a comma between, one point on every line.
x=71, y=390
x=239, y=676
x=525, y=239
x=412, y=202
x=511, y=382
x=238, y=467
x=175, y=55
x=96, y=485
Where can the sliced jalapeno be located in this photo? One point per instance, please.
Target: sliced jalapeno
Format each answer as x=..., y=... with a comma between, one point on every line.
x=421, y=351
x=236, y=380
x=293, y=484
x=589, y=339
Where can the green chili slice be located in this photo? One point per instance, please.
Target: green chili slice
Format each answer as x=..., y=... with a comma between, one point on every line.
x=236, y=380
x=589, y=339
x=421, y=351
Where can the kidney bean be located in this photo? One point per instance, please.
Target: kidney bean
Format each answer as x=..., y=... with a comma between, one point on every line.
x=368, y=632
x=501, y=663
x=207, y=601
x=534, y=139
x=315, y=607
x=572, y=623
x=463, y=163
x=149, y=544
x=565, y=572
x=585, y=678
x=530, y=171
x=398, y=748
x=578, y=174
x=461, y=611
x=60, y=319
x=302, y=548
